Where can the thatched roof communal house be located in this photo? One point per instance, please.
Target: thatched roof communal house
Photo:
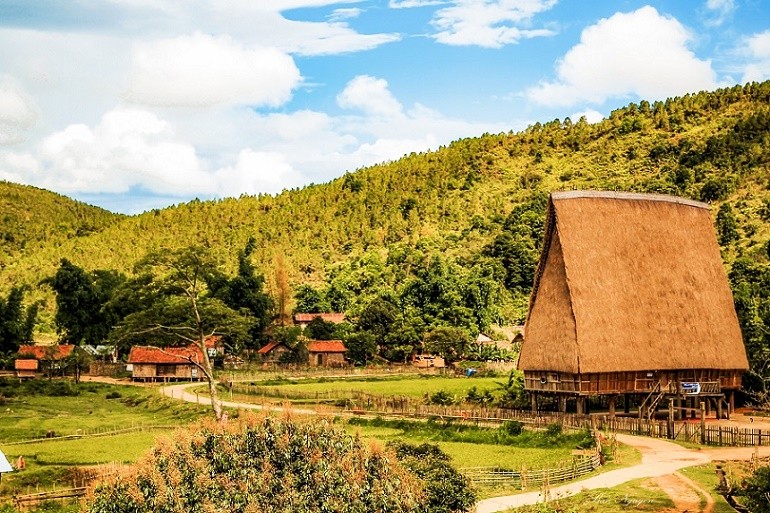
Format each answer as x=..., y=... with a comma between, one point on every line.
x=631, y=299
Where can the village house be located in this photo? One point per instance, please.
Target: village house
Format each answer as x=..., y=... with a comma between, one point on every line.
x=26, y=368
x=303, y=319
x=630, y=300
x=150, y=363
x=274, y=351
x=48, y=359
x=326, y=353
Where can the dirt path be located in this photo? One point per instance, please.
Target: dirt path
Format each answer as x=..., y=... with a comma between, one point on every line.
x=687, y=495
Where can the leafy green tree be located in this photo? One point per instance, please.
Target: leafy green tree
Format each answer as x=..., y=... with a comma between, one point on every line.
x=245, y=291
x=727, y=226
x=81, y=298
x=16, y=322
x=319, y=329
x=310, y=300
x=378, y=318
x=361, y=348
x=183, y=308
x=448, y=342
x=255, y=464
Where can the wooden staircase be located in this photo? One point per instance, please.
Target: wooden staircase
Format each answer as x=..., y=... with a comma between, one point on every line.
x=647, y=408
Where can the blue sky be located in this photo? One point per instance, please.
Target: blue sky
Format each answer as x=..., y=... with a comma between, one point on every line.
x=139, y=104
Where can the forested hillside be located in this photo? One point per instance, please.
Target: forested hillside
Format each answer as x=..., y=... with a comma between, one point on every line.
x=32, y=218
x=453, y=235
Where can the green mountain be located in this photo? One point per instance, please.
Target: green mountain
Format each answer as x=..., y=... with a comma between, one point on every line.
x=32, y=218
x=472, y=209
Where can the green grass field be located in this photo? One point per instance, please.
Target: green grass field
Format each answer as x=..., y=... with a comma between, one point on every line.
x=27, y=415
x=390, y=386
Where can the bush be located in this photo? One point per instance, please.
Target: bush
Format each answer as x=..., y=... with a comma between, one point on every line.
x=262, y=463
x=448, y=491
x=442, y=397
x=553, y=430
x=113, y=395
x=513, y=427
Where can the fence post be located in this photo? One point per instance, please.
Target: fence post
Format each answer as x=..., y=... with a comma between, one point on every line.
x=703, y=423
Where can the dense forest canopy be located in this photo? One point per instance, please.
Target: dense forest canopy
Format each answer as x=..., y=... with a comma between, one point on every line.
x=443, y=238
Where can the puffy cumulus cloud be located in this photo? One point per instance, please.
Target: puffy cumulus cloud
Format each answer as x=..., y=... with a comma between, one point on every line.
x=640, y=53
x=201, y=70
x=17, y=113
x=257, y=172
x=757, y=51
x=489, y=23
x=370, y=95
x=592, y=116
x=128, y=148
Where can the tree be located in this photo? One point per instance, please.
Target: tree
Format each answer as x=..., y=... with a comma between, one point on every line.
x=309, y=300
x=16, y=322
x=263, y=463
x=448, y=342
x=182, y=307
x=245, y=291
x=81, y=297
x=319, y=329
x=727, y=226
x=361, y=348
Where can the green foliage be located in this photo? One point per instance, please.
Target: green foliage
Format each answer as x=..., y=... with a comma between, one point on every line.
x=16, y=321
x=82, y=315
x=448, y=342
x=755, y=490
x=447, y=490
x=262, y=464
x=361, y=348
x=319, y=329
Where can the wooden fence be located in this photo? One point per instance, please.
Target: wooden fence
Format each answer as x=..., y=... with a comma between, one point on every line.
x=93, y=433
x=23, y=502
x=527, y=478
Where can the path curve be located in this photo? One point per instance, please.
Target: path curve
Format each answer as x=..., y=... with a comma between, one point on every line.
x=659, y=458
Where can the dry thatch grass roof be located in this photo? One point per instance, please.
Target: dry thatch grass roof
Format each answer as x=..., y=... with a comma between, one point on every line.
x=630, y=282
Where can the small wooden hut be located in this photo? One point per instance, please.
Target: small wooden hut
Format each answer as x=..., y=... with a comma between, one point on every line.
x=630, y=298
x=150, y=363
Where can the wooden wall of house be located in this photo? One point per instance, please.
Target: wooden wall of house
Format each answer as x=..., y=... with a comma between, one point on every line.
x=152, y=371
x=326, y=359
x=627, y=382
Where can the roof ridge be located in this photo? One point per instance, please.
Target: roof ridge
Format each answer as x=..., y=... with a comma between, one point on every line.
x=639, y=196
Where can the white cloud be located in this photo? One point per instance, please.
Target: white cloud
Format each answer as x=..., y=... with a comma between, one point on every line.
x=409, y=4
x=592, y=116
x=128, y=148
x=201, y=70
x=757, y=52
x=489, y=23
x=17, y=113
x=344, y=14
x=640, y=53
x=257, y=172
x=371, y=95
x=718, y=11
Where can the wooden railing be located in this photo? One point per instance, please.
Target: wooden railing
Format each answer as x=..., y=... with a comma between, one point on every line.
x=527, y=478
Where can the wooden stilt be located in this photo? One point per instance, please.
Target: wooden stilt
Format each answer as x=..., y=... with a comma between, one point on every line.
x=612, y=405
x=533, y=401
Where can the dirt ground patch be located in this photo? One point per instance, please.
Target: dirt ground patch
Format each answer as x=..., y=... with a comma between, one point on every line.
x=686, y=495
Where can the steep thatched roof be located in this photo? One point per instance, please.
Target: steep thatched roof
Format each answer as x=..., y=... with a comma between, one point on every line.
x=630, y=282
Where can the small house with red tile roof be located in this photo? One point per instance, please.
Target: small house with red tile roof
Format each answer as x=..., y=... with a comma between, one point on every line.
x=26, y=367
x=326, y=353
x=49, y=358
x=272, y=352
x=150, y=363
x=46, y=353
x=303, y=319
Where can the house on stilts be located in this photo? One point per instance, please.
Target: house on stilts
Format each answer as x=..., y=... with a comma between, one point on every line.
x=631, y=301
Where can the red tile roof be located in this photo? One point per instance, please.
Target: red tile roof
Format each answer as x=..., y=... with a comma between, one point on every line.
x=46, y=352
x=26, y=365
x=335, y=318
x=270, y=346
x=326, y=346
x=152, y=354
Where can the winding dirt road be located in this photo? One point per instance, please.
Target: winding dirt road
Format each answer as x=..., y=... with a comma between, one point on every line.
x=660, y=459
